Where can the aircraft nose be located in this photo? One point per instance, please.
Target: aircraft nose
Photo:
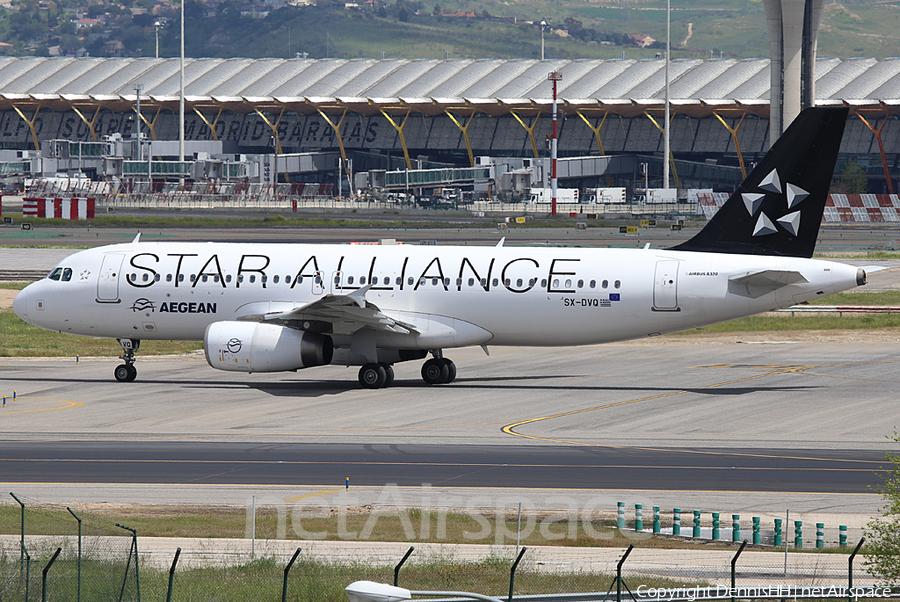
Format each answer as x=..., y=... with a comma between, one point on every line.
x=20, y=303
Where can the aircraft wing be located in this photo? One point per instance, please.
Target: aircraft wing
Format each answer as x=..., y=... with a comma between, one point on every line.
x=338, y=314
x=758, y=283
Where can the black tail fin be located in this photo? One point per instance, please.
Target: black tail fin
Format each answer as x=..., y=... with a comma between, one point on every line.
x=777, y=210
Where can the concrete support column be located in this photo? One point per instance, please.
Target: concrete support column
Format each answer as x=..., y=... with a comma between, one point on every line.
x=793, y=27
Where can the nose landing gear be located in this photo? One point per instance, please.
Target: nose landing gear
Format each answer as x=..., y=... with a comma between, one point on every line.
x=126, y=373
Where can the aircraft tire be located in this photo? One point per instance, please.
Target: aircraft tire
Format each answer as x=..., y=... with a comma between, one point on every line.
x=451, y=370
x=123, y=373
x=389, y=371
x=435, y=372
x=372, y=376
x=132, y=373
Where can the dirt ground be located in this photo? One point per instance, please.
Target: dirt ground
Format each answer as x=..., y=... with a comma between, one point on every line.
x=6, y=298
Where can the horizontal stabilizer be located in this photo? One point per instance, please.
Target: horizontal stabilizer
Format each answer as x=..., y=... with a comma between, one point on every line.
x=757, y=284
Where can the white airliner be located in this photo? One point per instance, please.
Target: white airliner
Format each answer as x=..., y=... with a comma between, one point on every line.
x=281, y=307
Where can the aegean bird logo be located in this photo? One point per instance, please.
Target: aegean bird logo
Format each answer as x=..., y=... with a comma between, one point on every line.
x=142, y=304
x=794, y=196
x=234, y=345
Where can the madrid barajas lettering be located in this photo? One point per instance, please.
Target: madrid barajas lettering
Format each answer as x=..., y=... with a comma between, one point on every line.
x=190, y=270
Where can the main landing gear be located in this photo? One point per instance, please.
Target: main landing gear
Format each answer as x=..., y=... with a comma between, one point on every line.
x=125, y=373
x=438, y=371
x=376, y=376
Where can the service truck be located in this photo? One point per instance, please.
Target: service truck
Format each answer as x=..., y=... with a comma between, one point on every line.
x=657, y=195
x=545, y=195
x=605, y=195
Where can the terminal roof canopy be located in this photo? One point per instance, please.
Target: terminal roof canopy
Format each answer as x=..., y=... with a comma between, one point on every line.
x=491, y=86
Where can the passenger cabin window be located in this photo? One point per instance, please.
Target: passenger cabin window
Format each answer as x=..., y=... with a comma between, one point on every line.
x=605, y=284
x=228, y=278
x=349, y=279
x=252, y=278
x=180, y=277
x=410, y=281
x=618, y=283
x=581, y=284
x=168, y=277
x=399, y=280
x=593, y=284
x=277, y=277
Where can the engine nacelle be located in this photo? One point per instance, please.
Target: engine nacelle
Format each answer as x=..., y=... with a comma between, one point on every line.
x=255, y=347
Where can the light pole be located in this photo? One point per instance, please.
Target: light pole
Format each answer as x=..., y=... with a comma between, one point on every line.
x=555, y=76
x=137, y=89
x=181, y=95
x=666, y=117
x=543, y=25
x=156, y=26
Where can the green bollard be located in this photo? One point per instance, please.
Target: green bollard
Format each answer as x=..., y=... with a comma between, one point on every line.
x=735, y=527
x=757, y=538
x=656, y=519
x=778, y=539
x=638, y=517
x=798, y=534
x=696, y=532
x=820, y=535
x=676, y=521
x=620, y=515
x=843, y=536
x=716, y=533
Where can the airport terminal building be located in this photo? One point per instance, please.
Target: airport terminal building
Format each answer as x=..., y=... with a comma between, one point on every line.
x=314, y=115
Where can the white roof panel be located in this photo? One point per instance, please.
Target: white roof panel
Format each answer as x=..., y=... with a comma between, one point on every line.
x=512, y=82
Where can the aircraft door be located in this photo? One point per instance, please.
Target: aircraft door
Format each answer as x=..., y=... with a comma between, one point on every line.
x=108, y=279
x=665, y=286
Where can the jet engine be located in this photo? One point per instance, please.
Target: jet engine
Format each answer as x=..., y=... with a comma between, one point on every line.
x=256, y=347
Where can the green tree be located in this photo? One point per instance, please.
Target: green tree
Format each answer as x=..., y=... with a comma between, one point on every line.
x=883, y=533
x=853, y=179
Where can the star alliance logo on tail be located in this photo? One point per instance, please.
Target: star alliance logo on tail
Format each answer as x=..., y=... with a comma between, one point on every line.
x=753, y=201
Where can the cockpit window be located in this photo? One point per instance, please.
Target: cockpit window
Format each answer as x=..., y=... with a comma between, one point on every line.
x=67, y=274
x=55, y=274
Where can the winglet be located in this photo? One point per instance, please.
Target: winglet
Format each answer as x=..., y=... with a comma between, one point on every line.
x=500, y=244
x=137, y=239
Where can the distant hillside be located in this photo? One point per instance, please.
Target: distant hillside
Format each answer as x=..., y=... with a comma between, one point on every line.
x=460, y=29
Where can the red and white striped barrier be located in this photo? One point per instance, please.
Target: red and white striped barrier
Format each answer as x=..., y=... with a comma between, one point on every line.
x=64, y=208
x=846, y=208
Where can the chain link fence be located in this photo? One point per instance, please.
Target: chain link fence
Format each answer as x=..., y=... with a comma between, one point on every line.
x=62, y=556
x=49, y=552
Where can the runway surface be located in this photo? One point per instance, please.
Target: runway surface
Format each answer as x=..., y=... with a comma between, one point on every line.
x=751, y=424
